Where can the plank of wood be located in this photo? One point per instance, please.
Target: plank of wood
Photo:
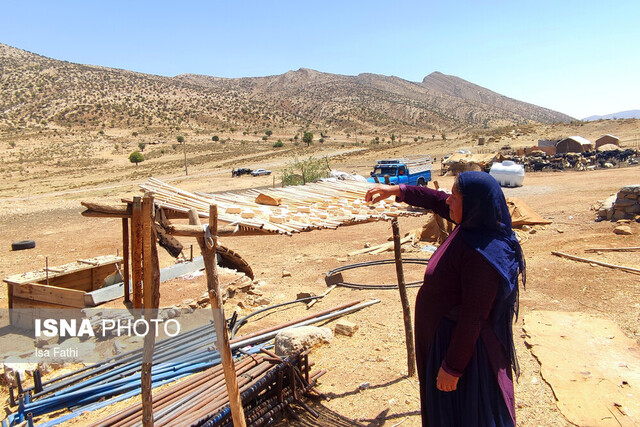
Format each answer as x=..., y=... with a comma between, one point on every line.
x=592, y=261
x=50, y=294
x=628, y=249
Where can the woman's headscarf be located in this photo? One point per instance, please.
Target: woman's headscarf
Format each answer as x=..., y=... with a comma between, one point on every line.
x=486, y=226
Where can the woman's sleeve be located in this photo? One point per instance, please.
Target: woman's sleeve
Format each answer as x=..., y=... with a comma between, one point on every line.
x=424, y=197
x=480, y=282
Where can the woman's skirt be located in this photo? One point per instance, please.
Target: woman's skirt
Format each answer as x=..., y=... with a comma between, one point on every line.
x=477, y=401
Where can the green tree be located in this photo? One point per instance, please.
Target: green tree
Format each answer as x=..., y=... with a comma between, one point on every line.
x=215, y=138
x=299, y=172
x=136, y=157
x=141, y=146
x=180, y=139
x=307, y=138
x=269, y=133
x=278, y=144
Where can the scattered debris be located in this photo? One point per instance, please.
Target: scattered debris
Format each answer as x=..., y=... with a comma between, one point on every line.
x=303, y=337
x=624, y=230
x=345, y=327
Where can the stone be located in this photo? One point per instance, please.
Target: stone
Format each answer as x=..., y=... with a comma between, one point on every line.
x=291, y=340
x=286, y=273
x=631, y=188
x=9, y=371
x=305, y=295
x=624, y=230
x=119, y=347
x=618, y=214
x=622, y=202
x=364, y=386
x=345, y=327
x=262, y=300
x=42, y=342
x=633, y=209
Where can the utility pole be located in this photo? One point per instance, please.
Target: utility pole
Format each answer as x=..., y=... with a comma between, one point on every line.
x=184, y=150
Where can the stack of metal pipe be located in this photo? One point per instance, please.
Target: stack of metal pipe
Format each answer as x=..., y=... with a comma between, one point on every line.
x=118, y=378
x=268, y=385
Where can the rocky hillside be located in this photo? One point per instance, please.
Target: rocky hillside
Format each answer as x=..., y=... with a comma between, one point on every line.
x=37, y=91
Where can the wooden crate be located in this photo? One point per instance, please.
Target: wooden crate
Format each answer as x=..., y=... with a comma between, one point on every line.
x=67, y=286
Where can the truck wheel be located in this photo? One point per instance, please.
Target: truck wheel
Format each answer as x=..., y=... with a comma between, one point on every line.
x=421, y=182
x=23, y=244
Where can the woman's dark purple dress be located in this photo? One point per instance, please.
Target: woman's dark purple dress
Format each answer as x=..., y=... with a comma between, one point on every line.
x=461, y=316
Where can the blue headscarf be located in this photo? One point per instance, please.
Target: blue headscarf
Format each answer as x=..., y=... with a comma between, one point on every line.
x=486, y=226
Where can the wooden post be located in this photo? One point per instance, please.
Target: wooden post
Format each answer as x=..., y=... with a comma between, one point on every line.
x=152, y=289
x=208, y=249
x=136, y=252
x=147, y=287
x=406, y=310
x=125, y=257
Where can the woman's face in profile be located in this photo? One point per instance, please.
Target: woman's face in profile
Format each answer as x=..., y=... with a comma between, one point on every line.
x=455, y=205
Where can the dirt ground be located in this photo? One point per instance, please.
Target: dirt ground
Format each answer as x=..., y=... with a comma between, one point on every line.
x=366, y=381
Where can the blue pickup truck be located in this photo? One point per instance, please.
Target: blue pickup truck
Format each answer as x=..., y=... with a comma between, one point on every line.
x=415, y=170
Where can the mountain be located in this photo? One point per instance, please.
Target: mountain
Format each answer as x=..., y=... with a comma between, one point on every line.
x=39, y=91
x=630, y=114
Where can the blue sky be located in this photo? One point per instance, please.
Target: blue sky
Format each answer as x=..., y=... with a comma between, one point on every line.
x=577, y=57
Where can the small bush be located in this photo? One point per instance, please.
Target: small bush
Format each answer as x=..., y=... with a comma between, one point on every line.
x=278, y=144
x=215, y=138
x=141, y=145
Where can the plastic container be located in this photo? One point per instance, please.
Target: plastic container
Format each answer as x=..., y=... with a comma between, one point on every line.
x=508, y=173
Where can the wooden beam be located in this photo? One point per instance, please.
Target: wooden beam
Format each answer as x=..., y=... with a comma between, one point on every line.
x=406, y=310
x=50, y=294
x=125, y=257
x=152, y=288
x=147, y=286
x=629, y=249
x=592, y=261
x=208, y=249
x=109, y=211
x=136, y=252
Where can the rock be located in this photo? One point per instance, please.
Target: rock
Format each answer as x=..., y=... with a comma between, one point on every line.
x=257, y=292
x=119, y=347
x=290, y=340
x=364, y=386
x=367, y=245
x=618, y=214
x=526, y=228
x=45, y=368
x=305, y=295
x=203, y=300
x=262, y=300
x=286, y=273
x=624, y=230
x=42, y=342
x=345, y=327
x=193, y=305
x=9, y=371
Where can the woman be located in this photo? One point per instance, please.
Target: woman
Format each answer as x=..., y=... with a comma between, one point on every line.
x=465, y=308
